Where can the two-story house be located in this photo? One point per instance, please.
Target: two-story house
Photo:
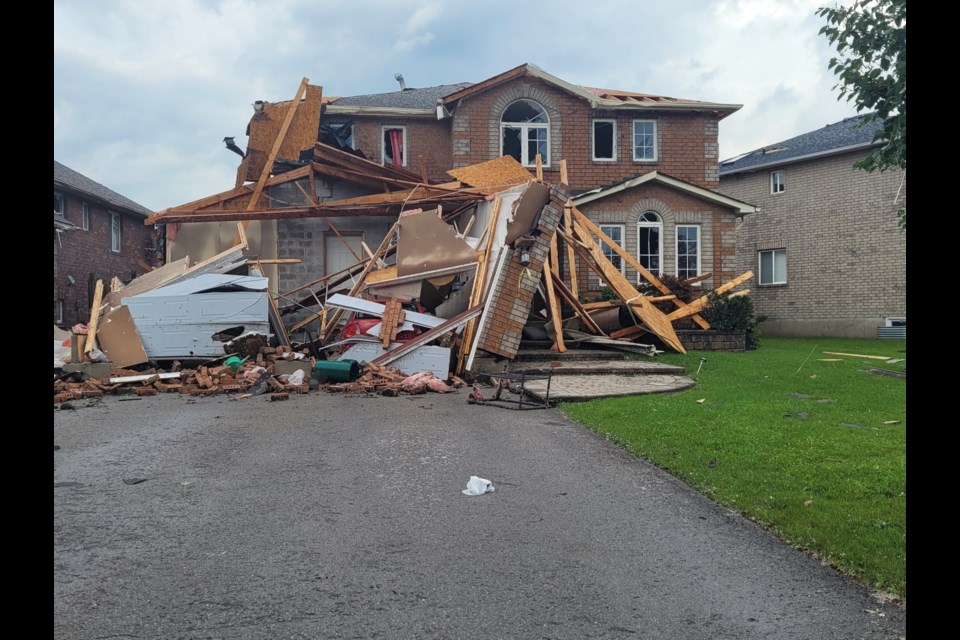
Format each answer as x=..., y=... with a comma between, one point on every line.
x=644, y=167
x=98, y=235
x=829, y=256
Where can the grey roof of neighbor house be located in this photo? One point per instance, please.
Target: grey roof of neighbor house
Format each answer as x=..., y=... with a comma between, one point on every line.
x=75, y=181
x=410, y=98
x=831, y=139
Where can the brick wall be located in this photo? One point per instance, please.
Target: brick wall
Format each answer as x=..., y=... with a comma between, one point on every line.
x=846, y=256
x=687, y=142
x=717, y=241
x=428, y=142
x=86, y=255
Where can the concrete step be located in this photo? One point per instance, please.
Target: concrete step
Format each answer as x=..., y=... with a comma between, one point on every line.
x=599, y=367
x=546, y=355
x=580, y=388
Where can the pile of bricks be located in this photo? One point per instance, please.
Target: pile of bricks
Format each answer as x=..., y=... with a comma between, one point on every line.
x=388, y=382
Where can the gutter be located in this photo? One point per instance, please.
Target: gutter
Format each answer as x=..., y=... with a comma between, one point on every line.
x=401, y=112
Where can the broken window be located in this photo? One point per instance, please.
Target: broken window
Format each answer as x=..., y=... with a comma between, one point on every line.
x=394, y=146
x=525, y=132
x=644, y=140
x=650, y=242
x=115, y=230
x=604, y=139
x=688, y=251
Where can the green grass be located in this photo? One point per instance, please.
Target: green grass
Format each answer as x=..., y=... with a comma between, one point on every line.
x=832, y=482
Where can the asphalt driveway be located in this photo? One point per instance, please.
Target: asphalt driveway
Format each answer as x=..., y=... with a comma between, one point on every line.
x=342, y=517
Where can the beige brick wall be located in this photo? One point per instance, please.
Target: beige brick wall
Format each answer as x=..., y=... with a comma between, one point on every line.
x=846, y=256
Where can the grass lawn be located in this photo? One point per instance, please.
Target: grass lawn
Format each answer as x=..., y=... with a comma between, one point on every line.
x=817, y=456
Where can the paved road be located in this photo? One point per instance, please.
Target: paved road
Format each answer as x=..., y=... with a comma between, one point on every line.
x=342, y=517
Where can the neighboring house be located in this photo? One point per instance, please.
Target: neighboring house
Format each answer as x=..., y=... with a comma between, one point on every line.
x=828, y=254
x=644, y=167
x=98, y=234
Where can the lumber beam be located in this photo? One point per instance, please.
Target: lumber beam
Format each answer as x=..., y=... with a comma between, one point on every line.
x=554, y=305
x=701, y=303
x=94, y=317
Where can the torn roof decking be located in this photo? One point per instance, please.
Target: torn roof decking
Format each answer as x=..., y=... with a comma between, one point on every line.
x=489, y=178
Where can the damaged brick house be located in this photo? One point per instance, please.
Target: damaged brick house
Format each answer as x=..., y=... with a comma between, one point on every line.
x=643, y=167
x=822, y=219
x=98, y=234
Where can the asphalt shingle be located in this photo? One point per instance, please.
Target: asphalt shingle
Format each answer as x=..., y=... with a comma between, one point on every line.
x=425, y=98
x=66, y=176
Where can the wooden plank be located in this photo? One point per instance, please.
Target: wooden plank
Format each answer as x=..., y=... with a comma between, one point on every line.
x=388, y=276
x=94, y=317
x=554, y=305
x=479, y=282
x=701, y=303
x=571, y=299
x=275, y=261
x=539, y=168
x=571, y=256
x=628, y=332
x=145, y=377
x=268, y=167
x=630, y=260
x=661, y=298
x=427, y=336
x=605, y=304
x=344, y=241
x=554, y=255
x=857, y=355
x=143, y=265
x=699, y=278
x=309, y=197
x=115, y=284
x=563, y=173
x=652, y=317
x=368, y=307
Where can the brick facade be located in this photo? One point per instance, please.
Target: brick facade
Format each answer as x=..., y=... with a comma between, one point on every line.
x=846, y=256
x=86, y=255
x=429, y=148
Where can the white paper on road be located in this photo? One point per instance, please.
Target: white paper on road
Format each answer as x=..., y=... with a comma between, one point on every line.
x=478, y=486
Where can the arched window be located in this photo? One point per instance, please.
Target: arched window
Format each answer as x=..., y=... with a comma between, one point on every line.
x=650, y=242
x=525, y=132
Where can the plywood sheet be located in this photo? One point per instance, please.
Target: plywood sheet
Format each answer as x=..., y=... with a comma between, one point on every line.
x=500, y=171
x=264, y=127
x=427, y=243
x=119, y=339
x=526, y=209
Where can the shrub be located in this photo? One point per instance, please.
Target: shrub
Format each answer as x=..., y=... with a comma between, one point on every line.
x=733, y=314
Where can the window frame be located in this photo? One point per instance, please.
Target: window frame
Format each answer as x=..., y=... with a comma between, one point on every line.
x=58, y=311
x=593, y=140
x=353, y=132
x=778, y=182
x=773, y=261
x=62, y=211
x=85, y=217
x=645, y=224
x=633, y=140
x=383, y=145
x=116, y=232
x=699, y=270
x=622, y=244
x=525, y=128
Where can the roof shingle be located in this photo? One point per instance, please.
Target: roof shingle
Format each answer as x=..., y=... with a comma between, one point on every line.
x=66, y=176
x=425, y=98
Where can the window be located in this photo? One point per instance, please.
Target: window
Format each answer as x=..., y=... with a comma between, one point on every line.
x=773, y=266
x=115, y=231
x=615, y=233
x=525, y=132
x=58, y=312
x=394, y=146
x=688, y=251
x=58, y=205
x=604, y=139
x=650, y=242
x=777, y=184
x=86, y=217
x=644, y=140
x=344, y=134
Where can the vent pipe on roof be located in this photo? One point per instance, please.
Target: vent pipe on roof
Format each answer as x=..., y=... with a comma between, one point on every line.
x=399, y=78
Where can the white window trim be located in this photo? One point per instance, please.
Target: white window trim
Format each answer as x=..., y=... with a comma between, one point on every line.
x=889, y=322
x=623, y=240
x=676, y=249
x=119, y=235
x=760, y=281
x=651, y=225
x=62, y=213
x=782, y=182
x=524, y=127
x=85, y=219
x=593, y=140
x=633, y=143
x=58, y=311
x=383, y=144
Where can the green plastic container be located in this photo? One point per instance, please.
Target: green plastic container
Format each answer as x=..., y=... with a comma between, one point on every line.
x=338, y=370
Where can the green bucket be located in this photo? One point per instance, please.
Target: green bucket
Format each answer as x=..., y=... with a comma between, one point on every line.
x=234, y=362
x=338, y=370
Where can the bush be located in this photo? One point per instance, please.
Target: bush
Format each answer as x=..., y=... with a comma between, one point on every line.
x=733, y=314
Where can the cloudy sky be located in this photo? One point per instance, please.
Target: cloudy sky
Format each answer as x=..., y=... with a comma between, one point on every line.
x=145, y=91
